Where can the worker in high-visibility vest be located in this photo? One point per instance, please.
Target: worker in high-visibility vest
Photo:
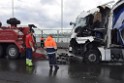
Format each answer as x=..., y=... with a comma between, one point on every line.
x=51, y=48
x=42, y=42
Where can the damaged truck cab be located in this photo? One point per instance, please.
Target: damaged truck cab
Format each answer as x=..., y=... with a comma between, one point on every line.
x=98, y=35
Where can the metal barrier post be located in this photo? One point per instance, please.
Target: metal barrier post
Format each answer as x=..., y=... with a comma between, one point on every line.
x=57, y=35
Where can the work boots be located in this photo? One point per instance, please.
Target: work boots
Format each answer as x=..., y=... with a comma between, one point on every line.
x=29, y=62
x=51, y=68
x=56, y=67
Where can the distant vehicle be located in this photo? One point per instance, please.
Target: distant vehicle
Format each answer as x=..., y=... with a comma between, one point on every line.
x=99, y=36
x=12, y=38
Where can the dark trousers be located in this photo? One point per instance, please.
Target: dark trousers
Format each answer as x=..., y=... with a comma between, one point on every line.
x=42, y=43
x=28, y=53
x=52, y=59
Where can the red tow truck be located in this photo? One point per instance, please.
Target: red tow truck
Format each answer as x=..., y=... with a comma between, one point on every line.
x=12, y=38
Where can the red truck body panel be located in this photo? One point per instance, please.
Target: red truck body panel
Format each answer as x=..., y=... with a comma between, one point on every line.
x=14, y=36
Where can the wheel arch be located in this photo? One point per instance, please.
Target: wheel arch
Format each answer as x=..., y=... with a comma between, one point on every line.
x=92, y=46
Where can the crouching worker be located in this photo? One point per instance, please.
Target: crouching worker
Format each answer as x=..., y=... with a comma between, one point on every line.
x=29, y=48
x=51, y=48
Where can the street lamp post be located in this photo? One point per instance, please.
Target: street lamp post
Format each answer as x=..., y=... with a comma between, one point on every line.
x=62, y=18
x=12, y=8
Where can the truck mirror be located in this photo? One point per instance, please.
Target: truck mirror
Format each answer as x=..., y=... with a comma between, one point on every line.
x=72, y=23
x=32, y=25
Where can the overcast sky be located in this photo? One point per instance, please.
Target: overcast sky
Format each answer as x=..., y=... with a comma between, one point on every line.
x=46, y=13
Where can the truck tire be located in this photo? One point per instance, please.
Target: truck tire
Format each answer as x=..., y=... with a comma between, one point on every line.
x=1, y=51
x=92, y=56
x=12, y=52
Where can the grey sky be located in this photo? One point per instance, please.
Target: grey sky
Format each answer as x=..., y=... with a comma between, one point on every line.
x=46, y=13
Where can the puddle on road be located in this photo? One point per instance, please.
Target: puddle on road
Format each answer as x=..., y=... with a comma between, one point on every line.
x=102, y=72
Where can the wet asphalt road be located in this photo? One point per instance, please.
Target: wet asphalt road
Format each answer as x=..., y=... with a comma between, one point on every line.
x=15, y=71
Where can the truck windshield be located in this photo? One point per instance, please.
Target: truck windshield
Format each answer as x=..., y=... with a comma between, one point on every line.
x=81, y=22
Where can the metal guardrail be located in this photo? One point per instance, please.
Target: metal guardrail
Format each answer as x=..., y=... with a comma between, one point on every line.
x=57, y=34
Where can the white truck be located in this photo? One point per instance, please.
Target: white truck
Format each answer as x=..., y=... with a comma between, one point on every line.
x=98, y=35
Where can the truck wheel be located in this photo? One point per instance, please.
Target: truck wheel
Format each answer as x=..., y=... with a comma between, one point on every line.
x=92, y=56
x=1, y=51
x=12, y=52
